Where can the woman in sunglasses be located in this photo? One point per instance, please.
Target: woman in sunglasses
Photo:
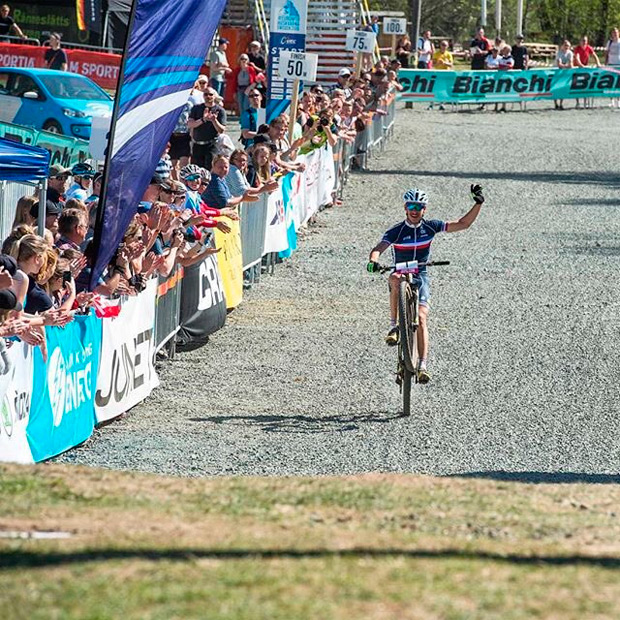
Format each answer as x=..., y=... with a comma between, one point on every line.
x=411, y=241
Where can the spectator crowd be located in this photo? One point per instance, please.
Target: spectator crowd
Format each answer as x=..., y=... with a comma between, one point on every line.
x=202, y=177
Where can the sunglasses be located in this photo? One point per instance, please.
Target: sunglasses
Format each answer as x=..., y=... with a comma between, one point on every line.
x=415, y=206
x=166, y=191
x=192, y=177
x=255, y=95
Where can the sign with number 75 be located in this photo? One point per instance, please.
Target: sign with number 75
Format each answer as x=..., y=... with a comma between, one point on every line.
x=361, y=41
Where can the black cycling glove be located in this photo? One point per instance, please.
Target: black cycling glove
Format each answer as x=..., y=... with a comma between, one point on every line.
x=476, y=193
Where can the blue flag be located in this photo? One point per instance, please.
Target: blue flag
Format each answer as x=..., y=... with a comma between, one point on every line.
x=166, y=45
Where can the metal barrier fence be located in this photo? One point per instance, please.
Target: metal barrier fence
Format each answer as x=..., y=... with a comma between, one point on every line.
x=168, y=310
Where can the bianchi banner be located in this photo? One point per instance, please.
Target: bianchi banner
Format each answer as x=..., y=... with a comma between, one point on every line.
x=506, y=86
x=127, y=373
x=15, y=395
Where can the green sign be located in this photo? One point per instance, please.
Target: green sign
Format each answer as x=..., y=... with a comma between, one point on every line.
x=38, y=19
x=64, y=150
x=494, y=86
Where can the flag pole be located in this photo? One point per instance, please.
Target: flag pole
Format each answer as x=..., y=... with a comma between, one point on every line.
x=108, y=155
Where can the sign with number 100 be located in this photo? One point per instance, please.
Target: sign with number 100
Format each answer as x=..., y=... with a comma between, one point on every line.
x=394, y=25
x=360, y=41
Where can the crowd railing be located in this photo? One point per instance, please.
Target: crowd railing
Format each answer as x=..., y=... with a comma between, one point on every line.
x=98, y=369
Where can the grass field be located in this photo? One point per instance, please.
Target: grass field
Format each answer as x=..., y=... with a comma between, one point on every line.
x=144, y=546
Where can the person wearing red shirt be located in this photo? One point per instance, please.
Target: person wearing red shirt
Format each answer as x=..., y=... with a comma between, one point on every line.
x=582, y=54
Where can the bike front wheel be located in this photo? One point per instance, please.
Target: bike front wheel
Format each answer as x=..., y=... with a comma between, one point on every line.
x=406, y=391
x=406, y=324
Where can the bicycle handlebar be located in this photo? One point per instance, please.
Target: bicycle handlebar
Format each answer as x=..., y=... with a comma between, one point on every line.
x=431, y=263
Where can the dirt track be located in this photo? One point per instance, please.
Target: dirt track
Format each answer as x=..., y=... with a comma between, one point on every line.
x=524, y=324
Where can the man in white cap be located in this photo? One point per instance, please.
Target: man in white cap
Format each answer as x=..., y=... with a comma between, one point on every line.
x=344, y=77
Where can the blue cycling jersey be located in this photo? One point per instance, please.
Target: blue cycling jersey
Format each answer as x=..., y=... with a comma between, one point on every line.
x=413, y=242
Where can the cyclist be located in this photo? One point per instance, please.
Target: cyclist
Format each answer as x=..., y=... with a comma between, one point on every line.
x=83, y=174
x=411, y=240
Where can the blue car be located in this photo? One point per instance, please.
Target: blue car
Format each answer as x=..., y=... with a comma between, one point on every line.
x=55, y=101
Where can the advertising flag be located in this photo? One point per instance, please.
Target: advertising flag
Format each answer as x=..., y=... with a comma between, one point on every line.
x=167, y=43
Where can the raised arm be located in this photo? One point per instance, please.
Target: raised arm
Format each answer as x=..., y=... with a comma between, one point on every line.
x=470, y=217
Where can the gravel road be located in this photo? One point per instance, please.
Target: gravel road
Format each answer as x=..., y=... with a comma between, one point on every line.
x=525, y=324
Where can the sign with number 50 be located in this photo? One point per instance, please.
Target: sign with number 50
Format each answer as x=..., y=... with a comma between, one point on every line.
x=361, y=41
x=298, y=66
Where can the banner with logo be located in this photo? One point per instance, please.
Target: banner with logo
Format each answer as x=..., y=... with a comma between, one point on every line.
x=61, y=411
x=276, y=238
x=288, y=34
x=101, y=67
x=15, y=396
x=167, y=44
x=127, y=372
x=289, y=218
x=508, y=86
x=203, y=304
x=230, y=261
x=313, y=184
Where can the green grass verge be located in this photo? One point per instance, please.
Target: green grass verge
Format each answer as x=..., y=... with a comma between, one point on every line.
x=365, y=547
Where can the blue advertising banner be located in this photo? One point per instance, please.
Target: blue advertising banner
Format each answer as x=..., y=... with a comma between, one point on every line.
x=507, y=86
x=167, y=44
x=62, y=410
x=288, y=34
x=287, y=199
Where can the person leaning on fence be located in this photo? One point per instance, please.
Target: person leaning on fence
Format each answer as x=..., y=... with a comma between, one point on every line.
x=479, y=49
x=612, y=58
x=520, y=54
x=217, y=195
x=582, y=54
x=8, y=26
x=563, y=60
x=206, y=121
x=55, y=57
x=237, y=181
x=342, y=82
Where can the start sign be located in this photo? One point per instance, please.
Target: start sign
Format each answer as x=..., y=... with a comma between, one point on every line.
x=298, y=66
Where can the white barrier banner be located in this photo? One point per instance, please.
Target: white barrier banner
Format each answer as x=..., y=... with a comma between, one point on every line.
x=276, y=238
x=328, y=176
x=126, y=370
x=15, y=395
x=313, y=182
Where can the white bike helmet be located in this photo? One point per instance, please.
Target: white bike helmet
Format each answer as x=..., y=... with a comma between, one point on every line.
x=415, y=195
x=189, y=170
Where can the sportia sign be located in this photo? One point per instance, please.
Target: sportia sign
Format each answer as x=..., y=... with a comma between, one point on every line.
x=491, y=86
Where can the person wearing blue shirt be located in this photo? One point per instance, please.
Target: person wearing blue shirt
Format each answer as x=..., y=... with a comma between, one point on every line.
x=249, y=119
x=411, y=241
x=217, y=194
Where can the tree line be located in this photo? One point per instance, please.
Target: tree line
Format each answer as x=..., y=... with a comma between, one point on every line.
x=544, y=21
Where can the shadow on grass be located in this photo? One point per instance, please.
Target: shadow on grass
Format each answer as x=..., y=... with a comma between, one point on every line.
x=606, y=179
x=30, y=559
x=303, y=423
x=541, y=477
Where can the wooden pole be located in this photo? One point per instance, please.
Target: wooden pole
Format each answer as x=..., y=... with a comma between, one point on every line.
x=293, y=115
x=393, y=45
x=358, y=64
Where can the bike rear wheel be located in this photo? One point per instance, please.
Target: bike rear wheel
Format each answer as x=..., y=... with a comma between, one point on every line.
x=406, y=323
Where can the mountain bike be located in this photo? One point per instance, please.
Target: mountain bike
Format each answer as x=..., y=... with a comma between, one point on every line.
x=408, y=323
